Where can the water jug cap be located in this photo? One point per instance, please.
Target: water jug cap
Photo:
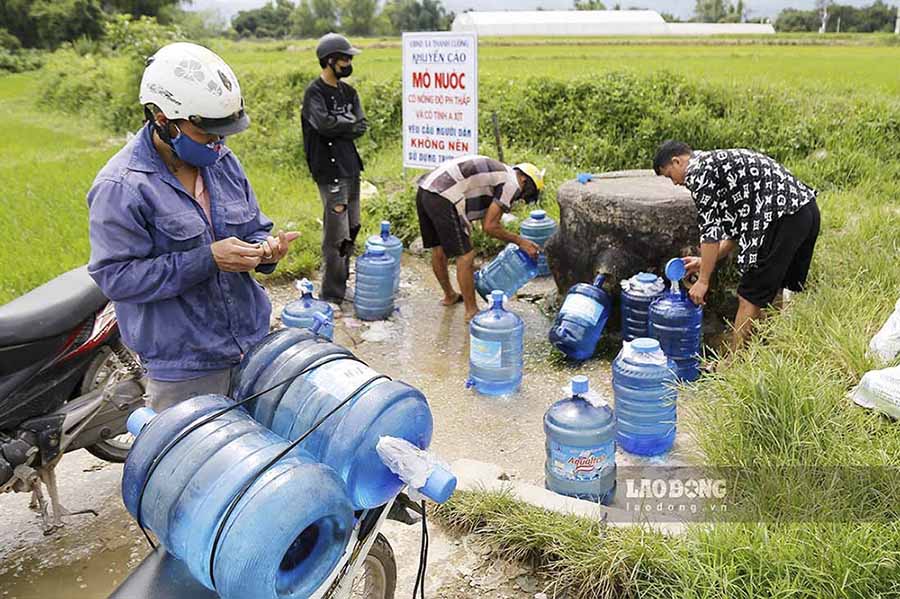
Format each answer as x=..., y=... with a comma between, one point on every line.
x=305, y=286
x=645, y=345
x=675, y=269
x=385, y=228
x=497, y=296
x=538, y=214
x=646, y=277
x=320, y=321
x=440, y=485
x=139, y=419
x=599, y=279
x=580, y=384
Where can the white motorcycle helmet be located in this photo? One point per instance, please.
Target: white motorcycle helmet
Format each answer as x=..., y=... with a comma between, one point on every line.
x=187, y=81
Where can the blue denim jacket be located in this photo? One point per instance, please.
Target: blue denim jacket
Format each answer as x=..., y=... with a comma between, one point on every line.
x=150, y=254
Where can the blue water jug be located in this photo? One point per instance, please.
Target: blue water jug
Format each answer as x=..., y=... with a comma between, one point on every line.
x=391, y=245
x=579, y=324
x=511, y=269
x=299, y=313
x=677, y=323
x=638, y=293
x=643, y=388
x=538, y=227
x=374, y=298
x=324, y=375
x=496, y=349
x=580, y=435
x=284, y=536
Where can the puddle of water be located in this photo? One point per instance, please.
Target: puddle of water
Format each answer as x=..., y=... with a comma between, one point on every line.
x=85, y=561
x=425, y=345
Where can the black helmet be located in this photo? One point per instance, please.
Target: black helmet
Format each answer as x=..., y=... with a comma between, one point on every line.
x=335, y=43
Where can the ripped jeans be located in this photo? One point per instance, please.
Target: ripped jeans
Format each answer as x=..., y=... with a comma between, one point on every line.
x=341, y=223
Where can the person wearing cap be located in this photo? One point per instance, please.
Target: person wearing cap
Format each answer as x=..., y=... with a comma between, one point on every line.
x=332, y=118
x=457, y=193
x=176, y=230
x=745, y=200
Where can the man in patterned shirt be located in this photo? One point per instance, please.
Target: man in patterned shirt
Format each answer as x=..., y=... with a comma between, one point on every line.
x=459, y=192
x=746, y=200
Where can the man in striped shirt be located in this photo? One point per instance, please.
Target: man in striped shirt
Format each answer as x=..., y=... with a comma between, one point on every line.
x=459, y=192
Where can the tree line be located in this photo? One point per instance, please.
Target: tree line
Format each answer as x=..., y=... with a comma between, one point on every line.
x=48, y=23
x=877, y=17
x=312, y=18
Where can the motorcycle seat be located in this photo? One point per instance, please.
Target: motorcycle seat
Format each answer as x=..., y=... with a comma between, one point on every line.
x=51, y=309
x=163, y=576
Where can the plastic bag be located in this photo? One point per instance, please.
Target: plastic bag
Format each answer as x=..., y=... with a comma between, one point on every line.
x=885, y=345
x=592, y=397
x=656, y=357
x=879, y=390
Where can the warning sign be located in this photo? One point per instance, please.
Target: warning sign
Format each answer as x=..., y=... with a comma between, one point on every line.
x=440, y=97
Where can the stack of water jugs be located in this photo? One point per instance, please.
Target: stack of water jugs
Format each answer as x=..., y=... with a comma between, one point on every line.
x=661, y=332
x=260, y=501
x=378, y=275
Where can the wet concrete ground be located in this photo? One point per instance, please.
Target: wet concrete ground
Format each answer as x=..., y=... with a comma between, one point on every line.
x=423, y=344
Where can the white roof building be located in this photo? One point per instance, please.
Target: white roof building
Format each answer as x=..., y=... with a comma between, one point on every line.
x=591, y=22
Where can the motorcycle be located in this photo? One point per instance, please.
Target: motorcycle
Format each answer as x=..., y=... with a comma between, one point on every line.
x=367, y=569
x=66, y=382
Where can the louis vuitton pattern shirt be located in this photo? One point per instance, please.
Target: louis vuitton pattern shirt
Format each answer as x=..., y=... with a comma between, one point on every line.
x=738, y=194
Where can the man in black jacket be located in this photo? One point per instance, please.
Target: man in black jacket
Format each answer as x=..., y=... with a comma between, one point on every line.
x=332, y=118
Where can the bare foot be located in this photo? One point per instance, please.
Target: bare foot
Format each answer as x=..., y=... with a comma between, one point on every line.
x=449, y=301
x=470, y=315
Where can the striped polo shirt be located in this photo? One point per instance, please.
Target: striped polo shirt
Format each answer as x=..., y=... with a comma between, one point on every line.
x=472, y=183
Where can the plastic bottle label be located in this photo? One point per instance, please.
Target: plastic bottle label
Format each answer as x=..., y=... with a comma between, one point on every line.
x=341, y=377
x=580, y=463
x=579, y=305
x=486, y=354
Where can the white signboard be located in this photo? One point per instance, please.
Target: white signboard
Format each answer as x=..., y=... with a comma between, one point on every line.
x=440, y=97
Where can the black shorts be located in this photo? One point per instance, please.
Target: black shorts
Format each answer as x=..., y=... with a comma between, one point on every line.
x=441, y=225
x=783, y=259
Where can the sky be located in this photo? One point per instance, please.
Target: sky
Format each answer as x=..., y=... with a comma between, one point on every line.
x=680, y=8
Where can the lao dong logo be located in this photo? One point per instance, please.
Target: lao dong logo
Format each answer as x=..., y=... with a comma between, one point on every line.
x=661, y=488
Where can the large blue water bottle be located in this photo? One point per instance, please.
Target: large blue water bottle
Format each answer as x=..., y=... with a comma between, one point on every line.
x=511, y=269
x=581, y=319
x=581, y=445
x=496, y=349
x=299, y=313
x=643, y=388
x=538, y=227
x=638, y=293
x=319, y=378
x=374, y=297
x=677, y=323
x=286, y=533
x=392, y=247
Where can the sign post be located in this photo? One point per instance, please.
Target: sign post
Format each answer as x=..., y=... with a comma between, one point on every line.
x=440, y=97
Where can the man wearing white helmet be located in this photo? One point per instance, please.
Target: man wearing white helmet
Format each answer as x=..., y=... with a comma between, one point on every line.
x=332, y=118
x=176, y=230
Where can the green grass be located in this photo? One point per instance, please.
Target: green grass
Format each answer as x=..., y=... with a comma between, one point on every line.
x=834, y=68
x=47, y=163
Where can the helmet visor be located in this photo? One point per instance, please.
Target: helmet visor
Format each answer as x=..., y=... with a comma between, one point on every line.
x=229, y=125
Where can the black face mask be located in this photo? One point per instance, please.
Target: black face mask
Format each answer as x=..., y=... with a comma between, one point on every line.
x=340, y=73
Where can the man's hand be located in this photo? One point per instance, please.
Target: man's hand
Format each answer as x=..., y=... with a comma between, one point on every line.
x=274, y=249
x=234, y=255
x=530, y=248
x=697, y=293
x=691, y=264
